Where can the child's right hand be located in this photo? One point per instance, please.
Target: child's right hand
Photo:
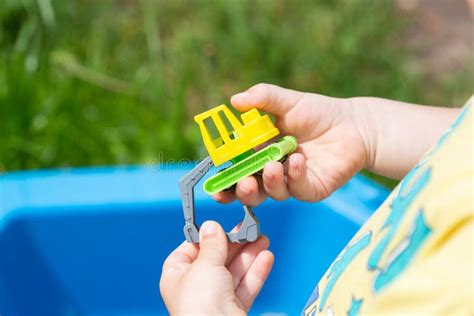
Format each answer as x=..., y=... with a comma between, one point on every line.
x=331, y=148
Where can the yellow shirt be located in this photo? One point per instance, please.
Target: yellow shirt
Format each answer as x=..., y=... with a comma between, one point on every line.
x=414, y=256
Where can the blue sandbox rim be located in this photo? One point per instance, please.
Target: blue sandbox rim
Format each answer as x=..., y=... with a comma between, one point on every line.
x=21, y=193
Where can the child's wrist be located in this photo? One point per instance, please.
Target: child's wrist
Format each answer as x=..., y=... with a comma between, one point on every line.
x=364, y=118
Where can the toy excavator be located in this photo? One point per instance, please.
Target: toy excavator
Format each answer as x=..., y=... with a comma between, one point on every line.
x=227, y=139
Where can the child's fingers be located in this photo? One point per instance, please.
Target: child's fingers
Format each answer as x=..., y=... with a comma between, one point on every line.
x=234, y=248
x=248, y=192
x=176, y=265
x=224, y=197
x=184, y=253
x=213, y=244
x=299, y=184
x=244, y=259
x=274, y=181
x=267, y=97
x=255, y=278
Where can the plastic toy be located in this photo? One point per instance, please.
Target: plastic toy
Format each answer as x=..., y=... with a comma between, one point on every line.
x=227, y=139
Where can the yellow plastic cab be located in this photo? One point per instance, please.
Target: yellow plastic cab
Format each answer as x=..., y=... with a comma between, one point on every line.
x=226, y=137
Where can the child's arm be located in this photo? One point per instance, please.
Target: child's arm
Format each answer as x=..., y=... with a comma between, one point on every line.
x=397, y=134
x=337, y=138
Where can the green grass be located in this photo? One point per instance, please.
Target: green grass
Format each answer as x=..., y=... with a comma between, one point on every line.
x=118, y=82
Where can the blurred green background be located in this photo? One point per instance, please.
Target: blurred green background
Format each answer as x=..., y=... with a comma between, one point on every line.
x=88, y=82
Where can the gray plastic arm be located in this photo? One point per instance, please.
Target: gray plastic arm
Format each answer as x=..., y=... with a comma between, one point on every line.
x=186, y=186
x=250, y=228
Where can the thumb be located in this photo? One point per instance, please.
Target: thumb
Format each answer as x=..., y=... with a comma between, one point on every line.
x=212, y=244
x=267, y=97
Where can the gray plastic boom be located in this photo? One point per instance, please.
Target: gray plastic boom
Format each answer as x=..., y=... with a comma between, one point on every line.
x=249, y=230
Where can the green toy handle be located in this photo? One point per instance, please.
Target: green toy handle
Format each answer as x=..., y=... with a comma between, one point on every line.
x=250, y=165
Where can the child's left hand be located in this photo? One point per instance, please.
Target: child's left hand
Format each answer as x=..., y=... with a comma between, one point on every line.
x=215, y=277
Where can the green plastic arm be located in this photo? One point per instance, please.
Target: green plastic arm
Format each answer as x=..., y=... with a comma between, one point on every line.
x=250, y=165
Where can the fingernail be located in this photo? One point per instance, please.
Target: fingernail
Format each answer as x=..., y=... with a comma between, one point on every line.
x=208, y=228
x=270, y=170
x=241, y=95
x=269, y=174
x=295, y=166
x=245, y=190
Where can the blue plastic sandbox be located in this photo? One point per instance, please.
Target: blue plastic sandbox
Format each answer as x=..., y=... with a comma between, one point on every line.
x=92, y=241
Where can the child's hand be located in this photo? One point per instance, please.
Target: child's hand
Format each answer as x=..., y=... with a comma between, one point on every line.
x=337, y=138
x=330, y=147
x=214, y=278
